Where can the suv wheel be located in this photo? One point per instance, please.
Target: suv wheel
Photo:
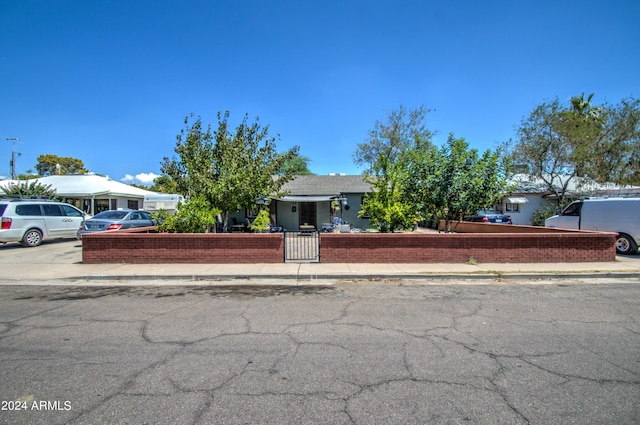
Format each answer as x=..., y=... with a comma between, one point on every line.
x=33, y=237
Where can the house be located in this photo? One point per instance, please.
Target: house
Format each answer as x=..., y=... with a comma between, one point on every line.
x=527, y=194
x=313, y=201
x=91, y=193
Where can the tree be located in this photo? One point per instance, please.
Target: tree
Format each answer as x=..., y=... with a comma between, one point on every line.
x=53, y=164
x=298, y=166
x=163, y=184
x=229, y=170
x=543, y=148
x=33, y=189
x=384, y=153
x=454, y=181
x=386, y=205
x=561, y=144
x=402, y=129
x=606, y=140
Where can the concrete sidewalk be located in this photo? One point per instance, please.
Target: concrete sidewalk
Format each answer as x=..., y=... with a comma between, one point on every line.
x=63, y=261
x=319, y=271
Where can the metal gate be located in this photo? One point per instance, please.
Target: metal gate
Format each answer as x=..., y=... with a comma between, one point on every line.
x=302, y=246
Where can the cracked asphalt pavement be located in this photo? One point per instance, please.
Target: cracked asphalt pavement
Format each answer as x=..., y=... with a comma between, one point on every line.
x=356, y=352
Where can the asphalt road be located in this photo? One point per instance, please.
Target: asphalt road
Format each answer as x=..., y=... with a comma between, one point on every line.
x=364, y=353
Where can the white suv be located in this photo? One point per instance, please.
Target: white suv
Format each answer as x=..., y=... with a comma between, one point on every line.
x=30, y=221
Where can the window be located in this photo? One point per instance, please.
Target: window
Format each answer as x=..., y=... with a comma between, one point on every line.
x=512, y=207
x=33, y=209
x=132, y=204
x=101, y=205
x=71, y=212
x=52, y=210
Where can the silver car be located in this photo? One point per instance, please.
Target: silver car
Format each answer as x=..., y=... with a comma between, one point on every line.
x=116, y=220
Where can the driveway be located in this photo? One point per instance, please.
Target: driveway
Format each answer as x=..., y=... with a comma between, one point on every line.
x=54, y=251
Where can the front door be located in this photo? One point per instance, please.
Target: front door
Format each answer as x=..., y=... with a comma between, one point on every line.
x=307, y=214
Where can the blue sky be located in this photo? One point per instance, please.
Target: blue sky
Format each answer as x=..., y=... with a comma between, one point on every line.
x=110, y=82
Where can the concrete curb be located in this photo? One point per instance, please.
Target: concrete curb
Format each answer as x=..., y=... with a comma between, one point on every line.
x=372, y=277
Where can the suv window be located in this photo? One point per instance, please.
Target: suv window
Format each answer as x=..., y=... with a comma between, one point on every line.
x=52, y=210
x=28, y=209
x=2, y=207
x=70, y=212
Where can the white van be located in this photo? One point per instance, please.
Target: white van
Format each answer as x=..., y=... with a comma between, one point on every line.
x=620, y=215
x=30, y=221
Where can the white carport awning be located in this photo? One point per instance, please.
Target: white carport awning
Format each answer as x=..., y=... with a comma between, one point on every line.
x=517, y=200
x=307, y=198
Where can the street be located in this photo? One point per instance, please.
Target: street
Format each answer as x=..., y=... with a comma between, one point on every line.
x=359, y=352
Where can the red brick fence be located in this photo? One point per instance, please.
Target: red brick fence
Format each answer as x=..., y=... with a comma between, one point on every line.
x=156, y=248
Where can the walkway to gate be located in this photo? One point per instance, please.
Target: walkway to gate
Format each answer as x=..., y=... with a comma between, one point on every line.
x=302, y=246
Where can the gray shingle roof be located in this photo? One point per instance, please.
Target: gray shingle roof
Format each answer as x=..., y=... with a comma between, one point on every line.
x=326, y=185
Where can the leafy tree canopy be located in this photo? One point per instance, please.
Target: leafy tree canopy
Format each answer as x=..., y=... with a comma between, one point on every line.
x=163, y=184
x=454, y=180
x=297, y=165
x=49, y=164
x=413, y=179
x=393, y=137
x=33, y=189
x=385, y=154
x=228, y=169
x=559, y=143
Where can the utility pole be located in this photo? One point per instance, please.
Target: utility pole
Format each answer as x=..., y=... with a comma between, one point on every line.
x=13, y=156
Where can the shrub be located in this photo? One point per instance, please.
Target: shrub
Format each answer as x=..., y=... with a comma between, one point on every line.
x=195, y=215
x=543, y=213
x=261, y=222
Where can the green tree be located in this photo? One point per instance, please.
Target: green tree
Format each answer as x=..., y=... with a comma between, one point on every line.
x=28, y=175
x=54, y=164
x=386, y=205
x=164, y=184
x=228, y=169
x=297, y=166
x=561, y=144
x=33, y=189
x=385, y=154
x=454, y=181
x=393, y=137
x=605, y=140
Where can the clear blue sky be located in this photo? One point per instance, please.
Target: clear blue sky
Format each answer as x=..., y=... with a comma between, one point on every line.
x=110, y=82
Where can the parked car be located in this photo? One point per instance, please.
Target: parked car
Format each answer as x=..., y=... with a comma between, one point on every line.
x=30, y=221
x=619, y=215
x=116, y=220
x=489, y=218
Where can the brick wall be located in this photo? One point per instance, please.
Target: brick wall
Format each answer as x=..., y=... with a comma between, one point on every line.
x=460, y=248
x=156, y=248
x=149, y=248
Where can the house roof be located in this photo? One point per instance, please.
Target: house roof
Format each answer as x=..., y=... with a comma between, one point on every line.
x=87, y=185
x=525, y=183
x=326, y=185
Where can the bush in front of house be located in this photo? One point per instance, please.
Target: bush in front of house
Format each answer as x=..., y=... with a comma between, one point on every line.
x=195, y=215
